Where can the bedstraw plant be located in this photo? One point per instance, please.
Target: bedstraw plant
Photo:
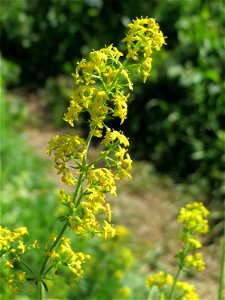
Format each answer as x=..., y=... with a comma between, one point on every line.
x=102, y=87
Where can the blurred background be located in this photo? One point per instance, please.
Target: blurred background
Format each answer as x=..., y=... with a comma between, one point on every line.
x=176, y=127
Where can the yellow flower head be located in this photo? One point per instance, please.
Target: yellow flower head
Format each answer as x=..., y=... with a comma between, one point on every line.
x=67, y=150
x=194, y=242
x=195, y=261
x=143, y=37
x=189, y=292
x=160, y=279
x=11, y=242
x=108, y=231
x=194, y=216
x=67, y=257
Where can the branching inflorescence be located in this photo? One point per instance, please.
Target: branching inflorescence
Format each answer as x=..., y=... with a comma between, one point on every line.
x=102, y=88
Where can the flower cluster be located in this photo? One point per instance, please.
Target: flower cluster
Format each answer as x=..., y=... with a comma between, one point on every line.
x=142, y=39
x=195, y=261
x=184, y=290
x=160, y=280
x=101, y=81
x=66, y=148
x=102, y=84
x=67, y=257
x=193, y=217
x=12, y=244
x=188, y=291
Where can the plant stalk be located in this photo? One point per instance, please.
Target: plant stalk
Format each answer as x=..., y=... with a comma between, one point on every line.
x=221, y=275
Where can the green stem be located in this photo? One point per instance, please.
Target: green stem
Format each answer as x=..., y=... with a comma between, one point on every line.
x=121, y=68
x=28, y=268
x=181, y=264
x=174, y=283
x=46, y=272
x=221, y=278
x=41, y=291
x=76, y=195
x=42, y=271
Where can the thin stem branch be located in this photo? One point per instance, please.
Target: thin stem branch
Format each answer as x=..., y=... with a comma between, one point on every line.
x=180, y=268
x=114, y=82
x=174, y=283
x=46, y=272
x=42, y=271
x=28, y=268
x=221, y=275
x=76, y=195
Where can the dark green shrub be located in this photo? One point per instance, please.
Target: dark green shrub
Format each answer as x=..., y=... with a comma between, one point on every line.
x=178, y=120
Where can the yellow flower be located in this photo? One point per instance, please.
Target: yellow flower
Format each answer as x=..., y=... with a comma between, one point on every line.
x=195, y=261
x=108, y=211
x=73, y=112
x=193, y=216
x=189, y=292
x=11, y=242
x=194, y=243
x=126, y=166
x=66, y=200
x=120, y=102
x=21, y=247
x=108, y=231
x=102, y=179
x=125, y=75
x=146, y=66
x=9, y=264
x=67, y=257
x=143, y=37
x=68, y=179
x=21, y=231
x=160, y=279
x=67, y=149
x=53, y=255
x=112, y=136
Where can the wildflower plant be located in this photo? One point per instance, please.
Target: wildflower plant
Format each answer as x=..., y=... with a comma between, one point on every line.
x=102, y=88
x=164, y=286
